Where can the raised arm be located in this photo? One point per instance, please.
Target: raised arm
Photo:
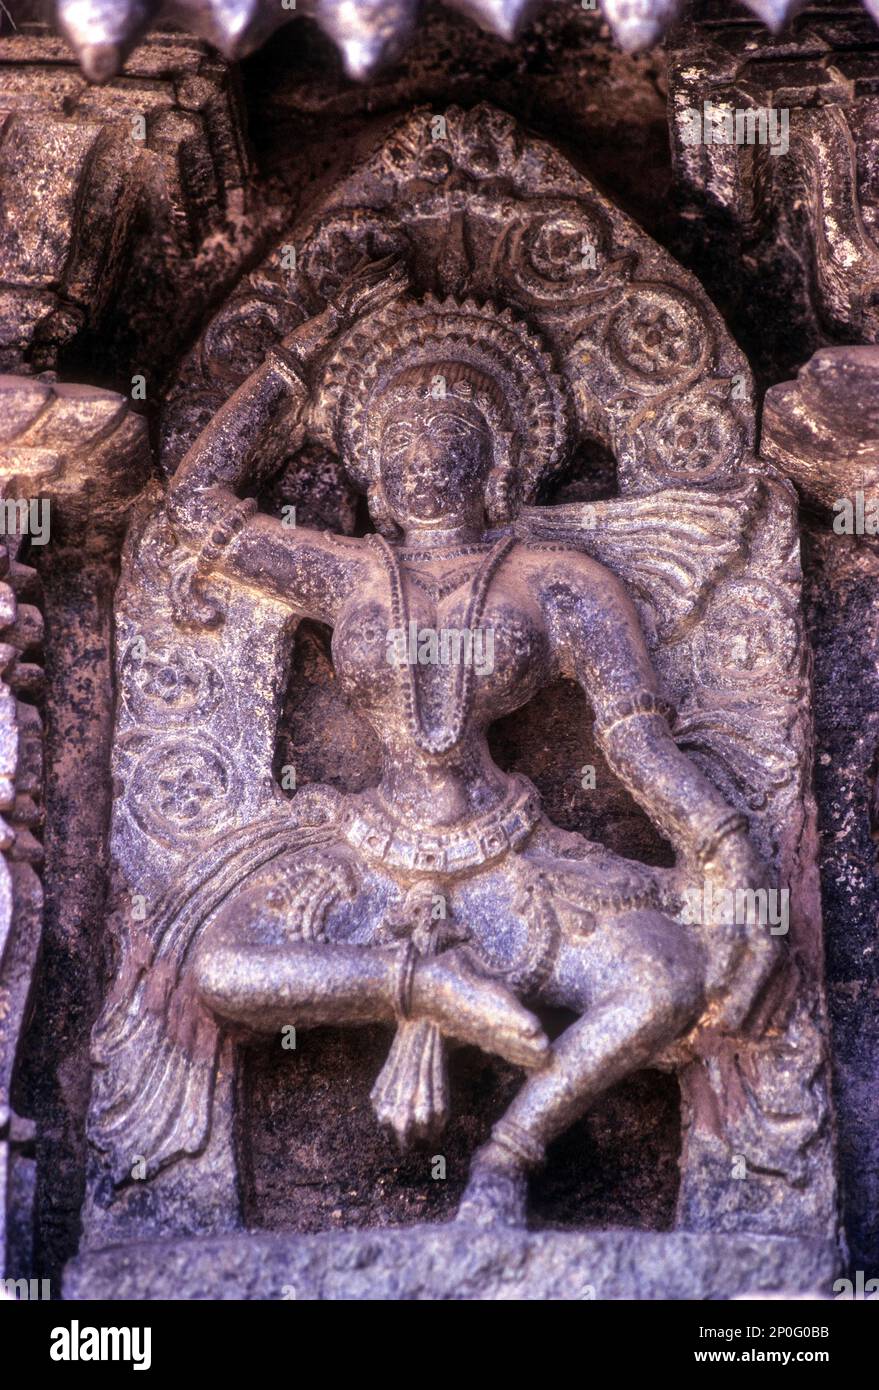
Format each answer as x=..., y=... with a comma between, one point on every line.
x=311, y=571
x=216, y=465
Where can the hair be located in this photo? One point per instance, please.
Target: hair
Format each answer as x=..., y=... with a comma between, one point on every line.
x=495, y=366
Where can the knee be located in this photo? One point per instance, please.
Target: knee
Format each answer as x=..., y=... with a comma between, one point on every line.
x=664, y=983
x=213, y=970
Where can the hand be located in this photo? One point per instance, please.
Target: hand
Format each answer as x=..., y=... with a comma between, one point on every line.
x=473, y=1009
x=194, y=514
x=371, y=285
x=742, y=950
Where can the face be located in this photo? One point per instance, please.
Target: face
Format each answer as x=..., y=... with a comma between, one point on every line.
x=435, y=457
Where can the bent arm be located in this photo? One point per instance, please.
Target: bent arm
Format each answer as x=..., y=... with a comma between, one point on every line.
x=599, y=643
x=215, y=466
x=217, y=461
x=309, y=571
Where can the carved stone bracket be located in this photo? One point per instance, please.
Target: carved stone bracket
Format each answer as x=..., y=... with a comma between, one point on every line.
x=793, y=202
x=21, y=895
x=97, y=183
x=71, y=459
x=822, y=430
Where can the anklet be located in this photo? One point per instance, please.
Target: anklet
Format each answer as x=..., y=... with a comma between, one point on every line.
x=519, y=1143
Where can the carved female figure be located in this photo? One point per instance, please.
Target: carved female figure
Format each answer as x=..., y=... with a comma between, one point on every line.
x=443, y=897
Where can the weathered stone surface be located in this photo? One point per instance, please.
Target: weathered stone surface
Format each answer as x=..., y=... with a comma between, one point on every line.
x=822, y=430
x=102, y=186
x=842, y=613
x=310, y=132
x=453, y=1262
x=21, y=896
x=783, y=229
x=668, y=405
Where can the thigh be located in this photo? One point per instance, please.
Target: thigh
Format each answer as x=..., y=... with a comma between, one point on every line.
x=639, y=955
x=319, y=893
x=509, y=930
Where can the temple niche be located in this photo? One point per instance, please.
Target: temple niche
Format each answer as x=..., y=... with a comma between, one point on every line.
x=413, y=717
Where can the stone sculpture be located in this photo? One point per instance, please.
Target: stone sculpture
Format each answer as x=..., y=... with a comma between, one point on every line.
x=368, y=33
x=454, y=420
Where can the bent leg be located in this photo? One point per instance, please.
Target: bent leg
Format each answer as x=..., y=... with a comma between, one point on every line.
x=254, y=968
x=266, y=986
x=266, y=960
x=640, y=983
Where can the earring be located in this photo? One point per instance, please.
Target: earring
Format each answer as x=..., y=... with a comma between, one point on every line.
x=498, y=496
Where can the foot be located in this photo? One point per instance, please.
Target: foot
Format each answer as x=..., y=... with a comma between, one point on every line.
x=473, y=1009
x=495, y=1195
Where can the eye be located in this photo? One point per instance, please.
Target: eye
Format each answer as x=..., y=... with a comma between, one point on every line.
x=398, y=438
x=453, y=429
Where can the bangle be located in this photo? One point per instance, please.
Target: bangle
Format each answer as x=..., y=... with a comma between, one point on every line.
x=645, y=702
x=403, y=977
x=223, y=532
x=290, y=366
x=517, y=1141
x=708, y=845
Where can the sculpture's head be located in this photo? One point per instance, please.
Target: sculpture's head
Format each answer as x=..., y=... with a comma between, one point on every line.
x=437, y=453
x=445, y=413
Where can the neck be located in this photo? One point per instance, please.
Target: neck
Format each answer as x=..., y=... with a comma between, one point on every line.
x=423, y=537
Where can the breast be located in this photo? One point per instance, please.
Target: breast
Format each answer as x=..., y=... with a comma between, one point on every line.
x=507, y=651
x=362, y=648
x=516, y=642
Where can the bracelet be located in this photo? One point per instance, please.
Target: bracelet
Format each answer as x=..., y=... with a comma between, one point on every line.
x=645, y=702
x=290, y=366
x=403, y=978
x=224, y=531
x=709, y=843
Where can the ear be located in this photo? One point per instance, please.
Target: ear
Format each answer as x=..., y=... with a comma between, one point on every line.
x=380, y=511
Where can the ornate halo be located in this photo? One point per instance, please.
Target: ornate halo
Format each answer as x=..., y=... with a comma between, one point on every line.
x=502, y=361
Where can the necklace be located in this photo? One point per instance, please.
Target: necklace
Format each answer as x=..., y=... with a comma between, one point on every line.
x=439, y=586
x=426, y=552
x=464, y=676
